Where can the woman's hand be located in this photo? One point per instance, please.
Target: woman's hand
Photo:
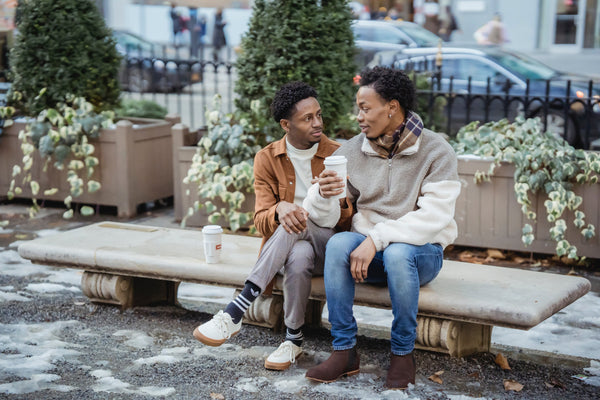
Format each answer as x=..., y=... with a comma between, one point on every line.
x=361, y=258
x=330, y=184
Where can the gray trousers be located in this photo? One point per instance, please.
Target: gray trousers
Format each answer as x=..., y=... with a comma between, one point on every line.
x=301, y=255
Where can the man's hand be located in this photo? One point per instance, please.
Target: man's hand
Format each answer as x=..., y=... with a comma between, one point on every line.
x=292, y=217
x=329, y=183
x=360, y=259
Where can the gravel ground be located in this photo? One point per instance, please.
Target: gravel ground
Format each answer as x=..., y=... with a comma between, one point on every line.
x=61, y=346
x=113, y=358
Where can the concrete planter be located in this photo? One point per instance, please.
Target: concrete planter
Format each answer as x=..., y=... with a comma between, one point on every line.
x=135, y=166
x=488, y=214
x=184, y=148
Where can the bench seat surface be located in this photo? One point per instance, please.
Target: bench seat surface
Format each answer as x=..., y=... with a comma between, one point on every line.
x=462, y=291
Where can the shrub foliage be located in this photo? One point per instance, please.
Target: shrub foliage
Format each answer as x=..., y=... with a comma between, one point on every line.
x=307, y=40
x=65, y=47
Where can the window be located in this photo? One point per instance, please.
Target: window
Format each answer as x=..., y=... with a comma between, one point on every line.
x=363, y=33
x=389, y=36
x=463, y=68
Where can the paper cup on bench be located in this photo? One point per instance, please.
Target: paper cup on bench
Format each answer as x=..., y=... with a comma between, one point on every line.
x=337, y=164
x=212, y=243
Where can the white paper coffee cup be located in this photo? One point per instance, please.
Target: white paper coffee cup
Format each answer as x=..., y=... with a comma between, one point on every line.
x=337, y=164
x=212, y=243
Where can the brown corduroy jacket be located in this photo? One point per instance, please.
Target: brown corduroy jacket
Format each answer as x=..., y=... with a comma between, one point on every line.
x=275, y=181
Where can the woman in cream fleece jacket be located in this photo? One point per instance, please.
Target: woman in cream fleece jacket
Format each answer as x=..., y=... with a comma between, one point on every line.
x=403, y=182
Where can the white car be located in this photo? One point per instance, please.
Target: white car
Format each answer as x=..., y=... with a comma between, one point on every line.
x=374, y=36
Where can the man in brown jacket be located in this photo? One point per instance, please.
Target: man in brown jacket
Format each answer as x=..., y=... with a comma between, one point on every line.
x=283, y=172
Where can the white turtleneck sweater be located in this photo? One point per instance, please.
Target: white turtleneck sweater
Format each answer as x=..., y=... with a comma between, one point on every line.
x=301, y=161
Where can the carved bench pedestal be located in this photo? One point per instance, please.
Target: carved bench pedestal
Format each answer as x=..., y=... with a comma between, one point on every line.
x=128, y=291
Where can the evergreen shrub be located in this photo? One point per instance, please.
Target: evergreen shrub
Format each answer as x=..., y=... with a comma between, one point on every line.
x=140, y=108
x=306, y=40
x=65, y=47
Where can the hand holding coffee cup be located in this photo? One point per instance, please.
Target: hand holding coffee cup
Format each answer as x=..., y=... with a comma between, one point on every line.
x=330, y=185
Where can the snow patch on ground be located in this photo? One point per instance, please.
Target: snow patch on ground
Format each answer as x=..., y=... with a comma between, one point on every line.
x=30, y=350
x=7, y=296
x=51, y=288
x=105, y=382
x=135, y=339
x=35, y=383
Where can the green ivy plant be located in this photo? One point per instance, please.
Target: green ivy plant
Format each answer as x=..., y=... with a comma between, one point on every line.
x=6, y=114
x=62, y=137
x=542, y=161
x=223, y=168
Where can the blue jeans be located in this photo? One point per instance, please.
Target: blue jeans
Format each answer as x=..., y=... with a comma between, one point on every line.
x=404, y=267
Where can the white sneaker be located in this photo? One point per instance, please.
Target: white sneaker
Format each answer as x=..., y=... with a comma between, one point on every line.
x=284, y=356
x=216, y=331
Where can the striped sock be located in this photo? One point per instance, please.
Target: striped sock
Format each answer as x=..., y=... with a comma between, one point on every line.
x=294, y=335
x=240, y=304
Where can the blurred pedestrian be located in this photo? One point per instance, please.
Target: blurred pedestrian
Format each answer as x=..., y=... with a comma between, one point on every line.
x=392, y=15
x=198, y=33
x=448, y=25
x=431, y=10
x=219, y=39
x=492, y=32
x=176, y=25
x=201, y=29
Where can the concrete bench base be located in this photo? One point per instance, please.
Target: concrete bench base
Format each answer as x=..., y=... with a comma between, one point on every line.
x=433, y=334
x=127, y=291
x=131, y=265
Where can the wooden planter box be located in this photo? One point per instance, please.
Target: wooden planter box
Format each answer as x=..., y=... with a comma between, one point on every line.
x=184, y=148
x=136, y=166
x=488, y=214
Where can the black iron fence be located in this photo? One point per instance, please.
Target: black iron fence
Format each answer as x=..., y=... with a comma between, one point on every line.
x=570, y=109
x=187, y=85
x=183, y=84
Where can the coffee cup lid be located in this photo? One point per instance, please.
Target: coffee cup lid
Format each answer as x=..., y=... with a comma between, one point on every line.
x=335, y=160
x=212, y=229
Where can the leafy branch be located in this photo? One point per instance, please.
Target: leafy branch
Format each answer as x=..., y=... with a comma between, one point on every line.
x=61, y=136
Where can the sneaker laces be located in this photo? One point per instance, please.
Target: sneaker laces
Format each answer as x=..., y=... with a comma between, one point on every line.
x=285, y=348
x=222, y=324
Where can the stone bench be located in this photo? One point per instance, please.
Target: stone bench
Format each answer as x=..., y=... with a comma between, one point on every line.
x=128, y=265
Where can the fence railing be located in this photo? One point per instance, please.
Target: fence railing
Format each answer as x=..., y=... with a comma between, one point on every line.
x=186, y=85
x=181, y=83
x=570, y=109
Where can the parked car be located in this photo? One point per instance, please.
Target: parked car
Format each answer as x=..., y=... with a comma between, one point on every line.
x=374, y=36
x=489, y=83
x=150, y=67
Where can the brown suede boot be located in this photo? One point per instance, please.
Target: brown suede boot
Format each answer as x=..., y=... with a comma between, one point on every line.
x=339, y=363
x=401, y=372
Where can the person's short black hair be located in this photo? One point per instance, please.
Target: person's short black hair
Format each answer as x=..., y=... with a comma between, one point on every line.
x=391, y=84
x=286, y=98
